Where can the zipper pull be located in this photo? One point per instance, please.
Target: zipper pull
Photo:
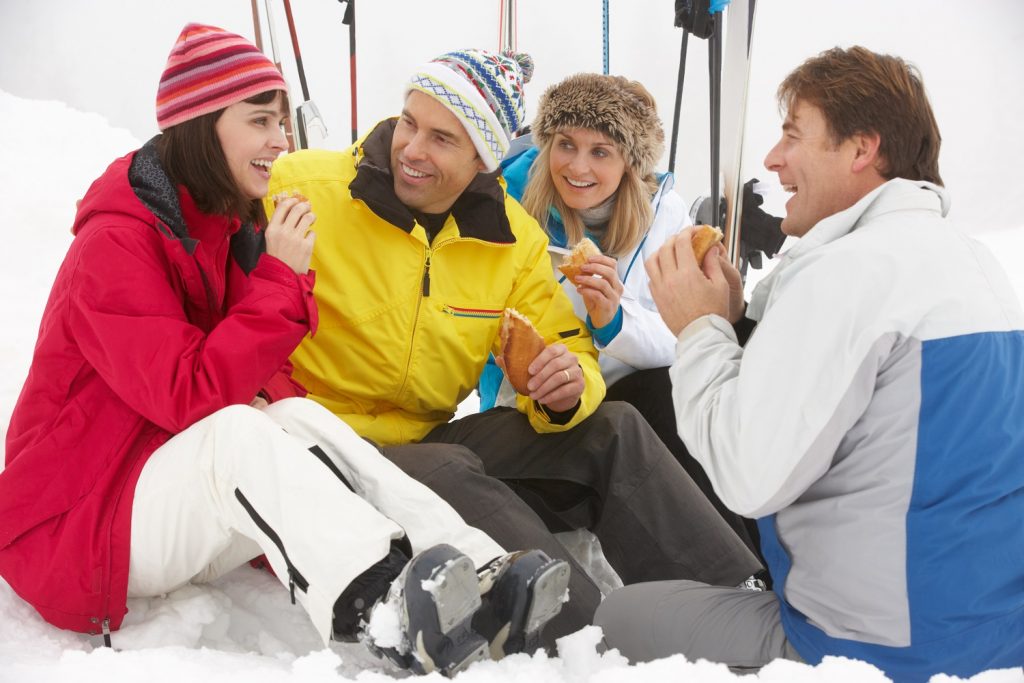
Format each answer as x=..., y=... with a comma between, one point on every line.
x=291, y=585
x=426, y=276
x=106, y=631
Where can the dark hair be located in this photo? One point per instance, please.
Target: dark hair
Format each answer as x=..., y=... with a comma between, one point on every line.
x=860, y=91
x=191, y=155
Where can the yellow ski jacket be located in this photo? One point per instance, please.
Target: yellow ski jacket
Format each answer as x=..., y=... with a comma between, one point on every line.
x=405, y=325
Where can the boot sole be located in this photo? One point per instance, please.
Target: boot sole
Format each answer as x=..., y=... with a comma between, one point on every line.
x=547, y=591
x=455, y=595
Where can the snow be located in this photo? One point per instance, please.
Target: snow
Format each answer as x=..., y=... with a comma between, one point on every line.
x=243, y=627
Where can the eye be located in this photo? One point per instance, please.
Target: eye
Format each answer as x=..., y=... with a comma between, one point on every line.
x=565, y=144
x=260, y=120
x=600, y=153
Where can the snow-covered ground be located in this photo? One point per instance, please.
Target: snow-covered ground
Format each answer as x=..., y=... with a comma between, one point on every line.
x=243, y=626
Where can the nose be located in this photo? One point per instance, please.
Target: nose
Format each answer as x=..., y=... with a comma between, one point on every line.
x=415, y=148
x=578, y=164
x=773, y=162
x=279, y=140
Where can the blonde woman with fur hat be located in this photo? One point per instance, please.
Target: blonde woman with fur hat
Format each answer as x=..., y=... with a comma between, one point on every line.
x=591, y=175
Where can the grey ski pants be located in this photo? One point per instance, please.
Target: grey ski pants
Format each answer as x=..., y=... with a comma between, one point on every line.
x=740, y=628
x=610, y=474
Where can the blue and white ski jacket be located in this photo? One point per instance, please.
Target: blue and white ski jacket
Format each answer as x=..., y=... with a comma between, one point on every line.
x=875, y=423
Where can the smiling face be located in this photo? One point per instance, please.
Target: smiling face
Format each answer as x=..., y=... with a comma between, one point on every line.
x=432, y=158
x=586, y=167
x=252, y=137
x=822, y=175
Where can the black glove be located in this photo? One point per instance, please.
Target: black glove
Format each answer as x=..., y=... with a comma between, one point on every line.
x=760, y=231
x=693, y=16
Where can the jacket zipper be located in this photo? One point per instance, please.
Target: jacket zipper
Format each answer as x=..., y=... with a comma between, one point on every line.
x=295, y=578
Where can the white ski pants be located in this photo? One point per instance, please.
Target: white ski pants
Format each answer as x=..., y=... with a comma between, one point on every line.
x=244, y=481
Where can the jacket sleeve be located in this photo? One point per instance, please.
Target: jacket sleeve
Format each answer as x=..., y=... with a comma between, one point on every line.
x=645, y=340
x=131, y=325
x=540, y=298
x=765, y=421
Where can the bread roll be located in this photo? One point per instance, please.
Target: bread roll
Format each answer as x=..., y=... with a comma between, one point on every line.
x=520, y=344
x=575, y=259
x=281, y=196
x=704, y=237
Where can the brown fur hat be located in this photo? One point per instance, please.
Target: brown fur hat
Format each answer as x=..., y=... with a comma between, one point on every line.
x=620, y=108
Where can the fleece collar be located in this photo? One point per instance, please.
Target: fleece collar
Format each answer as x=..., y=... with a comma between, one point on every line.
x=479, y=212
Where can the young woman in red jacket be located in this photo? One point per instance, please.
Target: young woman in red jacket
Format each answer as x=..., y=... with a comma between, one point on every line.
x=159, y=438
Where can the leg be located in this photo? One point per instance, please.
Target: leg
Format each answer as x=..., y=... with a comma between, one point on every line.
x=736, y=627
x=234, y=484
x=426, y=519
x=650, y=392
x=613, y=475
x=455, y=474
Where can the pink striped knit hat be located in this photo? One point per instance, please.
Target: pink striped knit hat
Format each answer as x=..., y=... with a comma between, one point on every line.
x=210, y=69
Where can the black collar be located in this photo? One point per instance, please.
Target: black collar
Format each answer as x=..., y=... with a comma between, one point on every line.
x=150, y=183
x=479, y=212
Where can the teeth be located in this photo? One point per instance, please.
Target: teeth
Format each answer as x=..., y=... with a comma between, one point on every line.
x=262, y=162
x=579, y=183
x=413, y=172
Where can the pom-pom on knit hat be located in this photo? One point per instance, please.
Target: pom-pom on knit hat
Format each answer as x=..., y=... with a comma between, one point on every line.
x=621, y=109
x=485, y=92
x=210, y=69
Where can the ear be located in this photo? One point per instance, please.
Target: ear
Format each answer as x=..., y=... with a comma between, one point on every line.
x=480, y=167
x=865, y=151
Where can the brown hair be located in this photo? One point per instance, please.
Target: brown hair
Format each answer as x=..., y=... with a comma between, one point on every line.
x=191, y=154
x=860, y=91
x=625, y=112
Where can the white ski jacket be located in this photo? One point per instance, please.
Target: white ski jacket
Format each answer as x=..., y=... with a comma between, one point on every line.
x=875, y=421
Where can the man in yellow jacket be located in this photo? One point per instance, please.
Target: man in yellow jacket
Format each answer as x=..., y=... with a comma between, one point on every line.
x=418, y=253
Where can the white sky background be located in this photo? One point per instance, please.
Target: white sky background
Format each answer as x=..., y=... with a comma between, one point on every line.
x=106, y=56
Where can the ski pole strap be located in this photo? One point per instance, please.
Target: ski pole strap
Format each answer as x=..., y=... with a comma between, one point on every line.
x=604, y=28
x=694, y=16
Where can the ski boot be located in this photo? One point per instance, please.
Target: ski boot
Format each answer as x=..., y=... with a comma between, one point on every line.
x=520, y=593
x=432, y=601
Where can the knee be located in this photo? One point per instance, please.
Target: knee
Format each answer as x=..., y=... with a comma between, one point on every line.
x=295, y=408
x=426, y=461
x=239, y=420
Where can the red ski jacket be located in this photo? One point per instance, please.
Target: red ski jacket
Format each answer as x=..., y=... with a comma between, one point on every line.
x=159, y=316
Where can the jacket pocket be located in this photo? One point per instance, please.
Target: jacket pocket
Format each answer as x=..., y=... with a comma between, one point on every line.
x=295, y=577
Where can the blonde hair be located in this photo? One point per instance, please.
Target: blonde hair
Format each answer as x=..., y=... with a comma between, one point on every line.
x=631, y=216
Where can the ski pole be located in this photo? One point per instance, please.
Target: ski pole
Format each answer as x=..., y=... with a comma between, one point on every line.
x=507, y=26
x=288, y=131
x=302, y=72
x=693, y=17
x=256, y=25
x=604, y=27
x=679, y=102
x=715, y=67
x=350, y=20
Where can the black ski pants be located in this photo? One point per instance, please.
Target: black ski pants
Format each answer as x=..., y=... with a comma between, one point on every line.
x=610, y=474
x=650, y=392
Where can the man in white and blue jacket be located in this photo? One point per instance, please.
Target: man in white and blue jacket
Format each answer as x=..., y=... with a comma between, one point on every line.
x=874, y=422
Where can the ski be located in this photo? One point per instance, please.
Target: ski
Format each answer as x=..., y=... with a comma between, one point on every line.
x=738, y=29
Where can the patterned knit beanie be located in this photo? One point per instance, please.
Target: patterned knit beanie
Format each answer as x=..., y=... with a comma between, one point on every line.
x=621, y=109
x=485, y=92
x=210, y=69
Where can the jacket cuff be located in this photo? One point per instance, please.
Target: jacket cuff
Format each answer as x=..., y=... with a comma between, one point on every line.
x=603, y=336
x=277, y=270
x=562, y=417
